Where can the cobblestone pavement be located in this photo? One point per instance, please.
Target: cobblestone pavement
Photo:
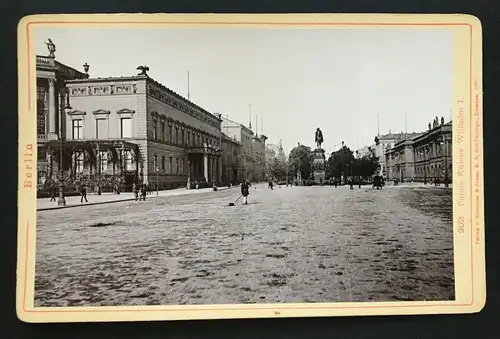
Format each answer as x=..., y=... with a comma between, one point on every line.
x=293, y=244
x=75, y=201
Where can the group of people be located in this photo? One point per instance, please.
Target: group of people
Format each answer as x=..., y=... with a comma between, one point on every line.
x=82, y=190
x=141, y=191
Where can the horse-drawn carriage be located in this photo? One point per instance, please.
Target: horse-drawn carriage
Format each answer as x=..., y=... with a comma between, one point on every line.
x=378, y=182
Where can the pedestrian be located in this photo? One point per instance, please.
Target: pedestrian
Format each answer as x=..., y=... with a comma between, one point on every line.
x=135, y=190
x=143, y=192
x=83, y=193
x=150, y=189
x=197, y=184
x=53, y=193
x=245, y=192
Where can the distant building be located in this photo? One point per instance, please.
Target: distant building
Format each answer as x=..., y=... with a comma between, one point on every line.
x=381, y=144
x=259, y=157
x=244, y=135
x=425, y=157
x=272, y=152
x=232, y=169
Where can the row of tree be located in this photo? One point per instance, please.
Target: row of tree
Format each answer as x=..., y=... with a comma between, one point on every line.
x=340, y=164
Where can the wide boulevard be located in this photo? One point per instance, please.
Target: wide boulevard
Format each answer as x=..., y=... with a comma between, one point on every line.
x=290, y=244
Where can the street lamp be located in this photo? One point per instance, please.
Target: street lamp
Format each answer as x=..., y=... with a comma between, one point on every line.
x=67, y=109
x=157, y=181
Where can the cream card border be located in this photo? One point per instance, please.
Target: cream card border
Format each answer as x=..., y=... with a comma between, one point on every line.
x=468, y=207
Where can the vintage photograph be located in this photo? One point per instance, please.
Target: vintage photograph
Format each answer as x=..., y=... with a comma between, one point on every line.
x=240, y=165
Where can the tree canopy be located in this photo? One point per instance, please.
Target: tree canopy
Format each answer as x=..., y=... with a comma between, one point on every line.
x=300, y=160
x=344, y=163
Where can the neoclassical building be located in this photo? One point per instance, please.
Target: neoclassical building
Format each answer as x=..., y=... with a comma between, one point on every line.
x=244, y=135
x=121, y=130
x=51, y=77
x=134, y=129
x=259, y=157
x=425, y=157
x=232, y=167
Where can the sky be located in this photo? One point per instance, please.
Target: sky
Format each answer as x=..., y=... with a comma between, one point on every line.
x=291, y=80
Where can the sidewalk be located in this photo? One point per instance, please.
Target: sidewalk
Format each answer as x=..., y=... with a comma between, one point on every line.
x=44, y=204
x=417, y=184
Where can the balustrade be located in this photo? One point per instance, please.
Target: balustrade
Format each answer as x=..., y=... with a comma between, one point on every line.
x=45, y=61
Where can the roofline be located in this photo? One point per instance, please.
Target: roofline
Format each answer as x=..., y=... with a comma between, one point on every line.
x=148, y=78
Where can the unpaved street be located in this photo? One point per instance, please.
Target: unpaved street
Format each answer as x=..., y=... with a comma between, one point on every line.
x=295, y=244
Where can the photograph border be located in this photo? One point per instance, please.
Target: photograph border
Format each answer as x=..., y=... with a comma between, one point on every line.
x=468, y=187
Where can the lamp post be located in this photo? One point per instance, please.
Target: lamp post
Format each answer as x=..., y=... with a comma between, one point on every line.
x=67, y=108
x=157, y=181
x=342, y=157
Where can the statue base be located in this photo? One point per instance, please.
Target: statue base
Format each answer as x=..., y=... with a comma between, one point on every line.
x=318, y=173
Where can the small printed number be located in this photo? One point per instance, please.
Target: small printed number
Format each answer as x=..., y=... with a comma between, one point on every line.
x=461, y=225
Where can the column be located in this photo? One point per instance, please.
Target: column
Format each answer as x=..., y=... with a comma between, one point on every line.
x=205, y=167
x=52, y=110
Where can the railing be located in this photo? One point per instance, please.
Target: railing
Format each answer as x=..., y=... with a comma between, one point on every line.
x=45, y=61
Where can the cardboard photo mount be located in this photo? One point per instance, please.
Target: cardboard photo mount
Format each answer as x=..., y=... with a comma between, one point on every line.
x=468, y=199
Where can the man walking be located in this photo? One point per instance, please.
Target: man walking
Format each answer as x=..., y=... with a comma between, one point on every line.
x=53, y=193
x=245, y=192
x=83, y=193
x=143, y=192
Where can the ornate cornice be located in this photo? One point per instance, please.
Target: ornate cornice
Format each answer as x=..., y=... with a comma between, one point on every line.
x=101, y=112
x=125, y=111
x=76, y=112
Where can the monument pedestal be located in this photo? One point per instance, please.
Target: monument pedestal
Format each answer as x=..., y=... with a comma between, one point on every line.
x=318, y=166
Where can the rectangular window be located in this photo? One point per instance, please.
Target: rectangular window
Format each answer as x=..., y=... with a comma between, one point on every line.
x=126, y=128
x=77, y=129
x=189, y=138
x=101, y=128
x=182, y=137
x=155, y=131
x=169, y=169
x=162, y=137
x=155, y=163
x=103, y=160
x=163, y=164
x=176, y=137
x=79, y=165
x=182, y=166
x=176, y=170
x=128, y=161
x=169, y=137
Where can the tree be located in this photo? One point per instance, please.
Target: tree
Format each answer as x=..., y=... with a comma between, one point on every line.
x=278, y=168
x=339, y=163
x=300, y=160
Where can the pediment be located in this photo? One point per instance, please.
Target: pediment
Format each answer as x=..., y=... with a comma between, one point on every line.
x=101, y=111
x=76, y=112
x=125, y=111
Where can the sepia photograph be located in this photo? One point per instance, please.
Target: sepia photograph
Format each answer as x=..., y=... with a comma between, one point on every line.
x=199, y=165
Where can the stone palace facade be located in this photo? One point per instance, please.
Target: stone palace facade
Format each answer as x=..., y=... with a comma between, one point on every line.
x=104, y=132
x=426, y=157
